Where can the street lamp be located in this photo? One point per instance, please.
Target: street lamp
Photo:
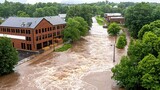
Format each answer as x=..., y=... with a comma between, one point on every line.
x=114, y=50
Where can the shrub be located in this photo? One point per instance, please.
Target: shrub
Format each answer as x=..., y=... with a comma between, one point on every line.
x=113, y=29
x=64, y=48
x=122, y=41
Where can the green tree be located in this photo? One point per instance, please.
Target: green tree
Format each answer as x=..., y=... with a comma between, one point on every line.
x=156, y=12
x=83, y=27
x=39, y=12
x=144, y=29
x=76, y=27
x=122, y=41
x=83, y=11
x=71, y=31
x=150, y=40
x=138, y=15
x=150, y=69
x=153, y=27
x=9, y=56
x=126, y=74
x=113, y=29
x=22, y=14
x=141, y=62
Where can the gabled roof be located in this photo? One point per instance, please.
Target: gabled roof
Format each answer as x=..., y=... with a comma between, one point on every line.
x=23, y=22
x=55, y=20
x=27, y=22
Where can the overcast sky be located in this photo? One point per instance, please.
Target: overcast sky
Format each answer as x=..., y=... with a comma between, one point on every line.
x=77, y=1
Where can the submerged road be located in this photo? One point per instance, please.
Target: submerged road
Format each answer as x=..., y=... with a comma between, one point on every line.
x=86, y=66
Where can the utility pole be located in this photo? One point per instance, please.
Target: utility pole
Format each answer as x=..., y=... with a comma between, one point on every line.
x=114, y=53
x=114, y=50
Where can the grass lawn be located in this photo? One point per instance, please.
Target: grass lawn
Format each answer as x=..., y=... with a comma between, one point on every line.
x=64, y=48
x=100, y=20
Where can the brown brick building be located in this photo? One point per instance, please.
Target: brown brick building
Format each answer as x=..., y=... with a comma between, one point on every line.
x=114, y=17
x=33, y=33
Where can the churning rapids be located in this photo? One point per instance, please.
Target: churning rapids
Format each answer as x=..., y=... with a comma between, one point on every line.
x=86, y=66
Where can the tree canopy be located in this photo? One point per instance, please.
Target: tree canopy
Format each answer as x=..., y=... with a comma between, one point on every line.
x=153, y=27
x=86, y=11
x=83, y=11
x=140, y=68
x=22, y=14
x=76, y=27
x=138, y=15
x=113, y=29
x=9, y=56
x=149, y=69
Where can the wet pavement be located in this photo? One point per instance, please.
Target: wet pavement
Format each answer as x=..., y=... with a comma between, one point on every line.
x=86, y=66
x=25, y=54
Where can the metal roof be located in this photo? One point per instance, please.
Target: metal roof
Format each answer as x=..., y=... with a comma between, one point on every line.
x=117, y=17
x=27, y=22
x=62, y=15
x=55, y=20
x=113, y=14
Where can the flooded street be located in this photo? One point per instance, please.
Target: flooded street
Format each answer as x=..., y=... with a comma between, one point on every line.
x=86, y=66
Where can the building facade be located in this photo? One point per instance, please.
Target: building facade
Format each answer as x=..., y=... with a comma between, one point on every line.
x=33, y=33
x=114, y=17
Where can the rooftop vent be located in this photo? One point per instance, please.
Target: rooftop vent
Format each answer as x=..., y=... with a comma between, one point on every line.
x=23, y=24
x=28, y=24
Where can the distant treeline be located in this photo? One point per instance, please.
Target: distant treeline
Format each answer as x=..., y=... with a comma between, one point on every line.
x=48, y=9
x=86, y=11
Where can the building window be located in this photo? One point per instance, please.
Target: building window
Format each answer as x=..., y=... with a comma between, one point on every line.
x=43, y=37
x=42, y=30
x=50, y=42
x=18, y=31
x=49, y=35
x=23, y=46
x=45, y=29
x=57, y=27
x=63, y=26
x=4, y=29
x=39, y=30
x=13, y=44
x=8, y=30
x=39, y=45
x=23, y=31
x=58, y=33
x=29, y=47
x=28, y=32
x=12, y=30
x=36, y=38
x=39, y=37
x=46, y=36
x=36, y=31
x=28, y=38
x=53, y=28
x=54, y=34
x=45, y=44
x=48, y=29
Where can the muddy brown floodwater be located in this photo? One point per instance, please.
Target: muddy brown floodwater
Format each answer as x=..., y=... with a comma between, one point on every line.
x=86, y=66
